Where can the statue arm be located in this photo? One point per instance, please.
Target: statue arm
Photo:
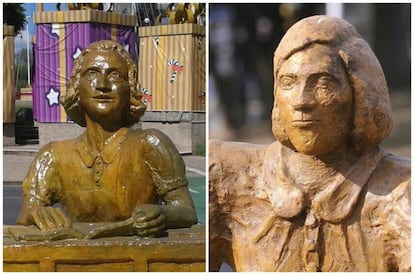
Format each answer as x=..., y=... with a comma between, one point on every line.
x=39, y=186
x=168, y=175
x=220, y=236
x=400, y=219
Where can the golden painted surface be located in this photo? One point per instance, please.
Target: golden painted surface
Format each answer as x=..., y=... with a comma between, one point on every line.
x=135, y=180
x=181, y=250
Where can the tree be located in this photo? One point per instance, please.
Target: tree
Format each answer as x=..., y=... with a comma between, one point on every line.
x=21, y=68
x=13, y=15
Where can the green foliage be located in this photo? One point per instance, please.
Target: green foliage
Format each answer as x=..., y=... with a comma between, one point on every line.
x=13, y=15
x=21, y=68
x=200, y=150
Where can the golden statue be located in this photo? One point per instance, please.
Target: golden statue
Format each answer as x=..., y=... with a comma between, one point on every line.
x=133, y=179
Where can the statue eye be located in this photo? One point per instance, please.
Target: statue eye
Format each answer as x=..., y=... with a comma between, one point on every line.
x=115, y=76
x=286, y=82
x=91, y=74
x=325, y=83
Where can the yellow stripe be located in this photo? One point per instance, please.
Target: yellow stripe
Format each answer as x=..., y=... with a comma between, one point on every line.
x=62, y=65
x=175, y=29
x=84, y=16
x=160, y=72
x=113, y=32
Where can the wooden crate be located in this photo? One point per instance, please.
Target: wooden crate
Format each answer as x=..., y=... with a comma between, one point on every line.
x=172, y=67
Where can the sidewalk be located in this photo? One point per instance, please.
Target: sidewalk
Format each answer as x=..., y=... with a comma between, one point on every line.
x=17, y=160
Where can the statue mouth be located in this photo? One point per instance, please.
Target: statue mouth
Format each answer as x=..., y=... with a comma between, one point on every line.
x=103, y=98
x=305, y=123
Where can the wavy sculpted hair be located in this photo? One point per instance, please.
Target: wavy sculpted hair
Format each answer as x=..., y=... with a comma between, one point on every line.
x=372, y=121
x=71, y=101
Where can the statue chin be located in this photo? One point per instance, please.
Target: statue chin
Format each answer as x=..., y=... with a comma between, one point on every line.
x=314, y=149
x=307, y=145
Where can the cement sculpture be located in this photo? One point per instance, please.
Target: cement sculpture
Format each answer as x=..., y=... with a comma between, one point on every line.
x=127, y=182
x=324, y=196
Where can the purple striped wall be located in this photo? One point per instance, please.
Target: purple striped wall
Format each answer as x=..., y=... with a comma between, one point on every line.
x=47, y=66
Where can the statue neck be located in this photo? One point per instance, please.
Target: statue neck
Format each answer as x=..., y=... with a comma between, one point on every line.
x=314, y=173
x=97, y=135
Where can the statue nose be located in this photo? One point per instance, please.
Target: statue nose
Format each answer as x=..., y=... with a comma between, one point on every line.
x=304, y=98
x=102, y=83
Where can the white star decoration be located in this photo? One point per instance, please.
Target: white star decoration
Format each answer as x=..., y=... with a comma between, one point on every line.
x=77, y=53
x=53, y=97
x=126, y=46
x=56, y=29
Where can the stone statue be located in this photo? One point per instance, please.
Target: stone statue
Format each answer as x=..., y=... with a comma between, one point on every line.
x=324, y=196
x=135, y=180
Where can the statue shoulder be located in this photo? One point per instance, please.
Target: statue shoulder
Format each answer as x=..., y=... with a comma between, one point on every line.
x=55, y=148
x=227, y=153
x=157, y=148
x=235, y=167
x=392, y=173
x=151, y=137
x=388, y=205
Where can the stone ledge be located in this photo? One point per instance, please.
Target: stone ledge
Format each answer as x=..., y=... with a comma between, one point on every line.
x=183, y=250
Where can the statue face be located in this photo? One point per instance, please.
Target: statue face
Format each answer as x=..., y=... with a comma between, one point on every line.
x=103, y=87
x=314, y=98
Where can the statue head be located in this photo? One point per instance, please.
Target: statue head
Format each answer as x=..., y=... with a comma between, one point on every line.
x=114, y=53
x=335, y=70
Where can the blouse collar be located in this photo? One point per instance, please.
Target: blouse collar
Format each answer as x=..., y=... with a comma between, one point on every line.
x=111, y=148
x=334, y=203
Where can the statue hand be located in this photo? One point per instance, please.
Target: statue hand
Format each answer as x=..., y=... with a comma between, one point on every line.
x=50, y=218
x=148, y=220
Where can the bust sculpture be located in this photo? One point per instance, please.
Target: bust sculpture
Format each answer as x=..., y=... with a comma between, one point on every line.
x=133, y=180
x=323, y=196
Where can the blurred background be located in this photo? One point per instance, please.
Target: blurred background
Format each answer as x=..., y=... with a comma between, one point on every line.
x=243, y=37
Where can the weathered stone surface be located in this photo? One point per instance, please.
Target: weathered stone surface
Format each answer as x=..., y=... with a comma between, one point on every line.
x=324, y=196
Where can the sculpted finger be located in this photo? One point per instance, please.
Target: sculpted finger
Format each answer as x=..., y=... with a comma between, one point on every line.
x=38, y=219
x=64, y=220
x=52, y=219
x=159, y=221
x=49, y=218
x=151, y=232
x=146, y=214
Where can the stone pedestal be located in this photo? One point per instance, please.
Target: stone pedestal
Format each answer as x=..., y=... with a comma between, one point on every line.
x=183, y=250
x=58, y=131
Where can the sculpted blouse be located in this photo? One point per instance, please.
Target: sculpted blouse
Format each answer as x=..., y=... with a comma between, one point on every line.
x=359, y=222
x=135, y=167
